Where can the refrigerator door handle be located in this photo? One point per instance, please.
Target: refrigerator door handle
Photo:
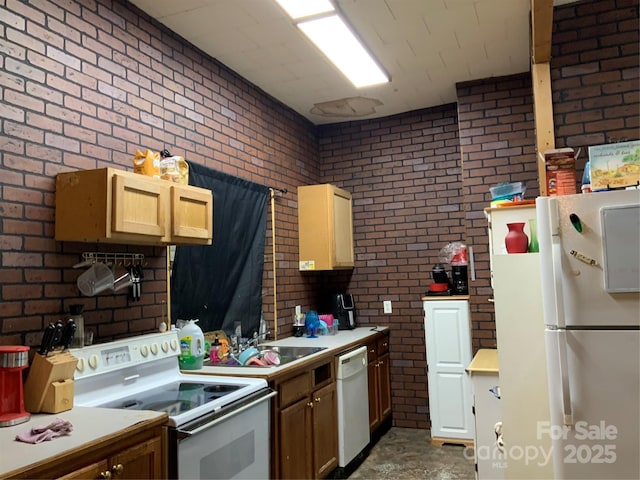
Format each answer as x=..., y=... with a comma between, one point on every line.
x=567, y=412
x=556, y=266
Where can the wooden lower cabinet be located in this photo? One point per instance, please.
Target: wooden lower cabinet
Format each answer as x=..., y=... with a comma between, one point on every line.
x=379, y=378
x=137, y=455
x=138, y=462
x=307, y=423
x=324, y=415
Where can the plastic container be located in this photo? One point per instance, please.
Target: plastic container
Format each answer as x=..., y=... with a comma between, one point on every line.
x=504, y=190
x=191, y=347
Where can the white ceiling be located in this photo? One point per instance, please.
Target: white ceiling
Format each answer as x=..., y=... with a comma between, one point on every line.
x=426, y=46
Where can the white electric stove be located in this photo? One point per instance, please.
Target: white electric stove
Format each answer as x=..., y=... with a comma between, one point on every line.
x=208, y=415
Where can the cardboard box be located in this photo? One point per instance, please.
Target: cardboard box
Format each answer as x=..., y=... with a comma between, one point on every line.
x=560, y=167
x=615, y=165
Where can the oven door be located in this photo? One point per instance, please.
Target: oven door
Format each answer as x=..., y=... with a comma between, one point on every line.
x=230, y=443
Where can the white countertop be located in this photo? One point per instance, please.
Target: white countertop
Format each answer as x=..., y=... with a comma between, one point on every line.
x=332, y=343
x=89, y=425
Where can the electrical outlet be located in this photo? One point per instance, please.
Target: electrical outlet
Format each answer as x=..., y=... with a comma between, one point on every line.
x=386, y=305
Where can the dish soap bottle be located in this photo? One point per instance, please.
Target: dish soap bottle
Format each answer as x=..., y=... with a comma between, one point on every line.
x=191, y=346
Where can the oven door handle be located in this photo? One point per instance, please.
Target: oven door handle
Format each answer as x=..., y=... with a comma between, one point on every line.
x=182, y=434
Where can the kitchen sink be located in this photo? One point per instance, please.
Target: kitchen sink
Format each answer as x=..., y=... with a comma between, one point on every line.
x=286, y=354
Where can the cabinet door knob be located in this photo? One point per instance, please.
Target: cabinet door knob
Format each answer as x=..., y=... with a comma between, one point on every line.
x=105, y=475
x=118, y=469
x=310, y=404
x=317, y=399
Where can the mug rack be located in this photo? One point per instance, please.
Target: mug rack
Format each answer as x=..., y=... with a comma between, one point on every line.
x=108, y=258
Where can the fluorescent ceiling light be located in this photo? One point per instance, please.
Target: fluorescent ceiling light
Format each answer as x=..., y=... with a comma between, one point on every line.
x=331, y=35
x=304, y=8
x=328, y=31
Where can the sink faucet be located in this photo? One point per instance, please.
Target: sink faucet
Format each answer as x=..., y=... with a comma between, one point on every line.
x=256, y=339
x=238, y=345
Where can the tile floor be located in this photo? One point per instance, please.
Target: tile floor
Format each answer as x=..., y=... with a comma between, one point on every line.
x=407, y=453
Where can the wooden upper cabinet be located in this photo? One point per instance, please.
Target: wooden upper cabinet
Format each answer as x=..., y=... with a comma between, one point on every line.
x=137, y=206
x=191, y=215
x=115, y=206
x=325, y=228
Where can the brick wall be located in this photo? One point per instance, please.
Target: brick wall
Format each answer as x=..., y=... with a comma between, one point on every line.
x=594, y=74
x=404, y=175
x=497, y=139
x=84, y=85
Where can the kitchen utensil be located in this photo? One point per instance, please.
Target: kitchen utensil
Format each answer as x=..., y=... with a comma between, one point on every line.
x=13, y=359
x=96, y=279
x=46, y=344
x=68, y=333
x=57, y=335
x=247, y=354
x=136, y=274
x=121, y=278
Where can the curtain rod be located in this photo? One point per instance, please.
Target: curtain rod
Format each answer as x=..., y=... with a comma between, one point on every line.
x=282, y=190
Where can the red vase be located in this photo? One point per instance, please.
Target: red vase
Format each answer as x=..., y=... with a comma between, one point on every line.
x=516, y=240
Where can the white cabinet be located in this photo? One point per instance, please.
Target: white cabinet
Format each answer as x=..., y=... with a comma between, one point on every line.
x=448, y=339
x=489, y=457
x=521, y=349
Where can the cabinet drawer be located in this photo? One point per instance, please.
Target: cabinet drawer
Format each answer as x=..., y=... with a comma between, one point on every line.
x=294, y=389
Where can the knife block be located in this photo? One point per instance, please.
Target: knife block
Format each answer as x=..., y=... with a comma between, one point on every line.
x=49, y=386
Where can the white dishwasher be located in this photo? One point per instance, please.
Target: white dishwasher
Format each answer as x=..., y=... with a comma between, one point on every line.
x=353, y=416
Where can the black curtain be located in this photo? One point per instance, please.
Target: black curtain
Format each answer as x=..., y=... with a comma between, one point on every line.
x=221, y=284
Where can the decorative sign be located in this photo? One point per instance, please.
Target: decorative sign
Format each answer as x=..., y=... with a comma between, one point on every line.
x=615, y=165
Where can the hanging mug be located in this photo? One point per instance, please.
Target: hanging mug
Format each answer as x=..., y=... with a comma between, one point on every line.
x=96, y=279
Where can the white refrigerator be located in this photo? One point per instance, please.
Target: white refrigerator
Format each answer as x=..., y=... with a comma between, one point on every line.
x=590, y=271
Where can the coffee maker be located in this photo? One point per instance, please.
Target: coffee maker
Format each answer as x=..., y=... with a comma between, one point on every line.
x=440, y=284
x=343, y=308
x=459, y=280
x=13, y=359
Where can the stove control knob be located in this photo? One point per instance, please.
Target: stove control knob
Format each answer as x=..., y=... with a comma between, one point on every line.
x=174, y=344
x=80, y=364
x=144, y=350
x=154, y=348
x=165, y=346
x=93, y=361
